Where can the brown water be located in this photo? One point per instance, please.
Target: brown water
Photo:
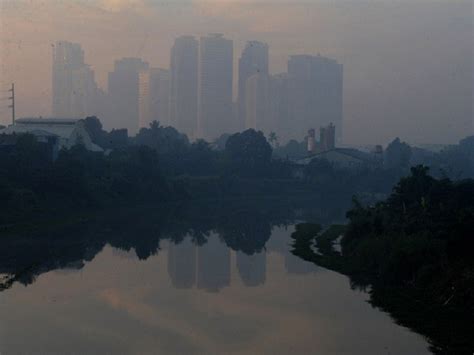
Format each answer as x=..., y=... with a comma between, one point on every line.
x=189, y=299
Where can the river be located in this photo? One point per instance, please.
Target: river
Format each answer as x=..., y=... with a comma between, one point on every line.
x=226, y=287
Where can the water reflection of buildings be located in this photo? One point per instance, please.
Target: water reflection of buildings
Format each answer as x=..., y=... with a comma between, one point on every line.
x=182, y=264
x=279, y=242
x=252, y=268
x=207, y=266
x=213, y=261
x=129, y=254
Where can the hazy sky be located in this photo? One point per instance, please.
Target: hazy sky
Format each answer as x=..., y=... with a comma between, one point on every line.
x=408, y=65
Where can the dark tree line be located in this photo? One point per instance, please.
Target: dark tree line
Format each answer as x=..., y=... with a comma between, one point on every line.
x=161, y=164
x=414, y=250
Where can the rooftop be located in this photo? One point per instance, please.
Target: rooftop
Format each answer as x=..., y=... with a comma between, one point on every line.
x=46, y=121
x=61, y=127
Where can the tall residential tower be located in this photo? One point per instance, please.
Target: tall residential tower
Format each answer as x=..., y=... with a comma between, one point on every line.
x=315, y=93
x=184, y=85
x=215, y=87
x=154, y=98
x=254, y=60
x=124, y=93
x=74, y=90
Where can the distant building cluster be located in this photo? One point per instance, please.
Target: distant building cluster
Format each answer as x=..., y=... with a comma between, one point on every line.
x=208, y=267
x=325, y=150
x=195, y=95
x=327, y=139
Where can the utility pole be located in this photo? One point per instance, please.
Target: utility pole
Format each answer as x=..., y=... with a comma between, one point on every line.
x=12, y=106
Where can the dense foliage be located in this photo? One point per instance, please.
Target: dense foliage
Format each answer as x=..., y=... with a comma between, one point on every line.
x=33, y=185
x=419, y=242
x=423, y=229
x=160, y=163
x=415, y=251
x=249, y=153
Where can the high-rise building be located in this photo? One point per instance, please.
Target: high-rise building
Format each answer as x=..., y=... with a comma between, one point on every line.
x=254, y=60
x=124, y=93
x=215, y=86
x=143, y=98
x=74, y=90
x=257, y=104
x=160, y=96
x=183, y=106
x=315, y=93
x=278, y=105
x=153, y=97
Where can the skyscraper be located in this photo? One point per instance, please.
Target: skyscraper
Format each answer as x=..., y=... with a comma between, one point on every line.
x=278, y=105
x=315, y=93
x=74, y=88
x=257, y=103
x=184, y=85
x=215, y=86
x=254, y=60
x=144, y=98
x=160, y=95
x=124, y=93
x=153, y=96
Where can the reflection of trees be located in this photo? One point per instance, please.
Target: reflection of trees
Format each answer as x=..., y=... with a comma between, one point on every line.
x=23, y=259
x=414, y=250
x=243, y=226
x=245, y=231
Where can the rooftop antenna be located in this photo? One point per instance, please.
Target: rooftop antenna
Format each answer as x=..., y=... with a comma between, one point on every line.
x=12, y=106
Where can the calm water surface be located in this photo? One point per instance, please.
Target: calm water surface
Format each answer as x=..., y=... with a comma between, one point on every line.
x=205, y=296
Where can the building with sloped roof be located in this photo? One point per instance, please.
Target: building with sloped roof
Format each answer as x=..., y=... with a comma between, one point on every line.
x=65, y=132
x=344, y=158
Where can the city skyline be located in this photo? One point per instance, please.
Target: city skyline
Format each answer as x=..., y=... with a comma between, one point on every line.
x=236, y=176
x=392, y=87
x=195, y=95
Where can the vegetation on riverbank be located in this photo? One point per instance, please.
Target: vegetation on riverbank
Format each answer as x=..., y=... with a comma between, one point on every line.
x=158, y=165
x=161, y=165
x=414, y=251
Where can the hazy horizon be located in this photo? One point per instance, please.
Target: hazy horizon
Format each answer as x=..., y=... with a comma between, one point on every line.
x=408, y=66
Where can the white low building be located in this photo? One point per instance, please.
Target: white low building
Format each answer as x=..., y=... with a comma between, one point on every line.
x=66, y=132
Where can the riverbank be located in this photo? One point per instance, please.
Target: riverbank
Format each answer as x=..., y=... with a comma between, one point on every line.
x=53, y=210
x=424, y=309
x=413, y=251
x=243, y=223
